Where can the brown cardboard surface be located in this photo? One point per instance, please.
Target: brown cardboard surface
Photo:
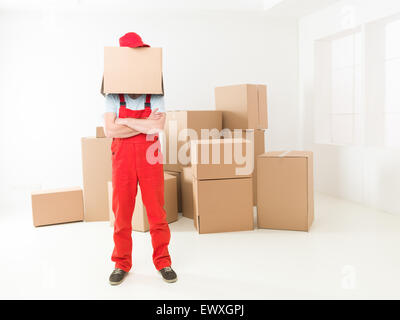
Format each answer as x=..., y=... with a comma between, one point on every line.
x=285, y=190
x=178, y=185
x=187, y=192
x=132, y=70
x=243, y=106
x=259, y=148
x=223, y=205
x=195, y=120
x=140, y=221
x=57, y=206
x=227, y=166
x=100, y=132
x=96, y=171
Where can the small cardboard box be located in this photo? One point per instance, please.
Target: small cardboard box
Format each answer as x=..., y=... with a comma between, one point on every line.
x=187, y=192
x=243, y=106
x=222, y=159
x=224, y=205
x=132, y=71
x=140, y=221
x=57, y=206
x=176, y=123
x=100, y=132
x=96, y=171
x=178, y=182
x=285, y=190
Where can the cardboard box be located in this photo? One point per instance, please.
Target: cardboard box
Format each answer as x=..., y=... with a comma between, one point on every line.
x=285, y=190
x=187, y=192
x=178, y=185
x=243, y=106
x=223, y=205
x=176, y=122
x=140, y=221
x=57, y=206
x=100, y=132
x=259, y=148
x=132, y=71
x=97, y=171
x=218, y=159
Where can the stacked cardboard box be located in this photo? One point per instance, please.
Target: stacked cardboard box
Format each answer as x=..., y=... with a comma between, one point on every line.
x=222, y=186
x=285, y=190
x=57, y=206
x=140, y=221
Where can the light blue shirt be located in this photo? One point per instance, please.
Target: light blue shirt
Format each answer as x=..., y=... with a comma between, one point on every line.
x=112, y=103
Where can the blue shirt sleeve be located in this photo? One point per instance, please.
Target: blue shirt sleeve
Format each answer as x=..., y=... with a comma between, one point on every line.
x=111, y=103
x=157, y=102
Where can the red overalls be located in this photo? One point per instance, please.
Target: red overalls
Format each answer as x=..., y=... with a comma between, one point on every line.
x=130, y=166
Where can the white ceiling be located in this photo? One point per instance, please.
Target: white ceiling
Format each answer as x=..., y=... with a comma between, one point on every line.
x=294, y=8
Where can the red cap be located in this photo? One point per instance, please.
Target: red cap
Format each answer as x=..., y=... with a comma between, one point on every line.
x=132, y=40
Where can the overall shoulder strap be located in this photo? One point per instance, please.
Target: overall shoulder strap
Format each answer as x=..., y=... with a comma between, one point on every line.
x=122, y=102
x=148, y=101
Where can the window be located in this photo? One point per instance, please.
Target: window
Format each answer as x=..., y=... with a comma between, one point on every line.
x=338, y=107
x=392, y=84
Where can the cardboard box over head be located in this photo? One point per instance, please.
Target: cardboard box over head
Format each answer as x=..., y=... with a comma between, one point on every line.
x=285, y=189
x=132, y=71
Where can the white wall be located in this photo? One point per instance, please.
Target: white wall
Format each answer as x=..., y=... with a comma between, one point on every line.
x=366, y=174
x=51, y=67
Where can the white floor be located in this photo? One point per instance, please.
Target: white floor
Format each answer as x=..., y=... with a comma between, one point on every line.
x=351, y=252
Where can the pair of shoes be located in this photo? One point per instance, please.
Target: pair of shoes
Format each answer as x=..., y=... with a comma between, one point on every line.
x=117, y=276
x=169, y=275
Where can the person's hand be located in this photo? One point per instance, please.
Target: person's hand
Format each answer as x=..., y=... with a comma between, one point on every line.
x=155, y=115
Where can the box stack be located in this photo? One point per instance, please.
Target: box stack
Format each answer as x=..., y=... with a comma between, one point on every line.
x=222, y=190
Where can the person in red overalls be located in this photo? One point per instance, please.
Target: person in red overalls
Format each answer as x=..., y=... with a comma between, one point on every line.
x=133, y=121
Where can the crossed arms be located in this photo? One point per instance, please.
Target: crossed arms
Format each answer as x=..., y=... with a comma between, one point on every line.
x=129, y=127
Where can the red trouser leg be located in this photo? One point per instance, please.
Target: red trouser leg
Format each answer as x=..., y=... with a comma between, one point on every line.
x=129, y=166
x=151, y=181
x=124, y=180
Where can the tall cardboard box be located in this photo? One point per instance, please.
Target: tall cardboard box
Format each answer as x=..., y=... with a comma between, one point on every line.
x=100, y=132
x=222, y=197
x=97, y=171
x=243, y=106
x=132, y=71
x=179, y=187
x=285, y=190
x=176, y=122
x=57, y=206
x=140, y=221
x=187, y=192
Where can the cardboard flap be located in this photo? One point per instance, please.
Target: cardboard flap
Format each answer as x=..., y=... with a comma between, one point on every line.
x=287, y=154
